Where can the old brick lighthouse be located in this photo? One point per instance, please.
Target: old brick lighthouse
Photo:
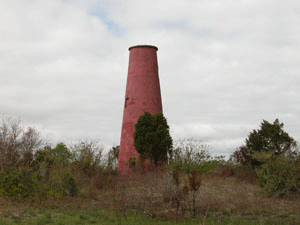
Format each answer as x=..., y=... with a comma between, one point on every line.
x=142, y=94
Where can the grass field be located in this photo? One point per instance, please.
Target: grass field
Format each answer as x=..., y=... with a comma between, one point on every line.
x=149, y=199
x=99, y=216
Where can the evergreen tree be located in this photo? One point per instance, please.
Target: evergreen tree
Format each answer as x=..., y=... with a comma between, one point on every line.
x=152, y=137
x=266, y=143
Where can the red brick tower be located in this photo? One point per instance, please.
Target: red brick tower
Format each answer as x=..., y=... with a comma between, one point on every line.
x=142, y=94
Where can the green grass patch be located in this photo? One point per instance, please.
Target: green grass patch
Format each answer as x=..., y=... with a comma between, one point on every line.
x=100, y=216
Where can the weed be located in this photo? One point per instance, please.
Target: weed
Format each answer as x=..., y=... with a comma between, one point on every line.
x=194, y=183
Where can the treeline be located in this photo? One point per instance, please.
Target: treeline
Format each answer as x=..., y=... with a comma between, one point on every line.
x=30, y=168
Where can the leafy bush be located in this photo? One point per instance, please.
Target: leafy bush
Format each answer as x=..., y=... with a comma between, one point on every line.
x=112, y=160
x=62, y=184
x=152, y=137
x=280, y=177
x=28, y=169
x=22, y=183
x=272, y=154
x=87, y=158
x=266, y=143
x=50, y=159
x=50, y=175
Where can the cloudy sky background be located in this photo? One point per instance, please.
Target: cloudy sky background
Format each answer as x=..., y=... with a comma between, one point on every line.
x=224, y=66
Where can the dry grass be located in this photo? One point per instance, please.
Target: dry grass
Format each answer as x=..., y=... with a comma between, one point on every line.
x=156, y=195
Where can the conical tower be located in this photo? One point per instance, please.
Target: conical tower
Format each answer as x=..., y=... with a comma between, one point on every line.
x=142, y=94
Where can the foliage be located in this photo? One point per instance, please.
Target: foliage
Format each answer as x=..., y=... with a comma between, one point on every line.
x=62, y=183
x=280, y=177
x=272, y=153
x=53, y=167
x=190, y=154
x=242, y=156
x=152, y=137
x=19, y=183
x=87, y=157
x=17, y=144
x=61, y=155
x=29, y=170
x=48, y=159
x=271, y=138
x=266, y=143
x=112, y=160
x=56, y=172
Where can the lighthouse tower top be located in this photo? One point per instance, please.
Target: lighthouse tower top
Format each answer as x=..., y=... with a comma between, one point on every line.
x=143, y=46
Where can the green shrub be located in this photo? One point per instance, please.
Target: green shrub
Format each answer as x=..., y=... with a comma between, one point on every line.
x=87, y=158
x=62, y=183
x=58, y=157
x=152, y=137
x=279, y=177
x=209, y=165
x=266, y=143
x=22, y=183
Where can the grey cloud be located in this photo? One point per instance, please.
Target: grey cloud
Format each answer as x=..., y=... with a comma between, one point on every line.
x=224, y=67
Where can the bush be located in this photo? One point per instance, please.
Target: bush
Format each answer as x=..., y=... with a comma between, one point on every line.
x=62, y=184
x=266, y=143
x=152, y=137
x=190, y=155
x=280, y=177
x=87, y=157
x=17, y=144
x=27, y=168
x=22, y=183
x=272, y=154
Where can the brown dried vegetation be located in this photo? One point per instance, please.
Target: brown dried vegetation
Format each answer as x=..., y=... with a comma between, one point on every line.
x=169, y=195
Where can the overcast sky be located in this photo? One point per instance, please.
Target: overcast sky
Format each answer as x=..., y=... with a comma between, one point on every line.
x=224, y=66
